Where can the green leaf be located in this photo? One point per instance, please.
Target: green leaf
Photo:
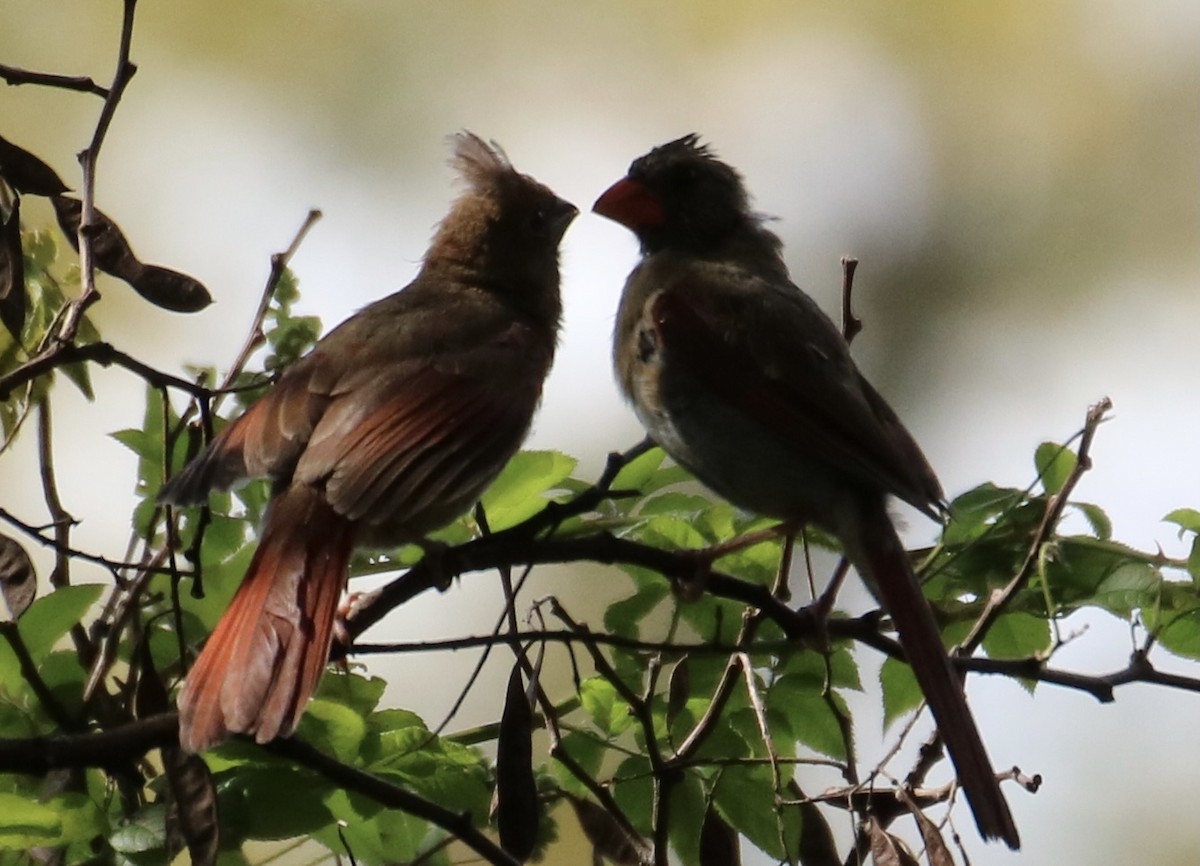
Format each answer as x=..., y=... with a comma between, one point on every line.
x=1109, y=575
x=633, y=791
x=668, y=476
x=900, y=690
x=1128, y=587
x=745, y=798
x=1017, y=636
x=50, y=617
x=638, y=471
x=446, y=772
x=25, y=824
x=289, y=339
x=1193, y=560
x=838, y=666
x=587, y=751
x=1054, y=464
x=357, y=816
x=972, y=513
x=1181, y=632
x=1174, y=618
x=673, y=533
x=139, y=442
x=609, y=711
x=79, y=373
x=687, y=802
x=333, y=726
x=674, y=503
x=389, y=721
x=276, y=802
x=519, y=492
x=757, y=563
x=1187, y=519
x=80, y=817
x=360, y=693
x=717, y=522
x=64, y=675
x=623, y=617
x=800, y=701
x=1097, y=519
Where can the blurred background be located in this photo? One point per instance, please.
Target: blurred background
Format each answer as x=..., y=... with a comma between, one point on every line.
x=1020, y=181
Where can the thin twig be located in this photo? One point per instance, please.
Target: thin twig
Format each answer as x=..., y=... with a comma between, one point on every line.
x=36, y=533
x=105, y=354
x=279, y=264
x=1055, y=505
x=15, y=76
x=87, y=162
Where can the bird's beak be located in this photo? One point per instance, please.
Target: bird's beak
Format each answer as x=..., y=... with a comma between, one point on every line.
x=631, y=204
x=564, y=213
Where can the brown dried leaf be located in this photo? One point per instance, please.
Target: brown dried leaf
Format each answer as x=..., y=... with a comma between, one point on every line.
x=171, y=290
x=12, y=273
x=936, y=851
x=719, y=843
x=110, y=250
x=888, y=850
x=18, y=580
x=817, y=844
x=517, y=808
x=607, y=836
x=26, y=173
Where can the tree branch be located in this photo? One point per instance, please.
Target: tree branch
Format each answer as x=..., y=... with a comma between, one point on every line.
x=15, y=76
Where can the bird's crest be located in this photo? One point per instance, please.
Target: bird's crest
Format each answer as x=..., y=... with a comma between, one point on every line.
x=480, y=163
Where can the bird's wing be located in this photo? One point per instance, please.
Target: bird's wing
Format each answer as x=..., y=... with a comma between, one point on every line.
x=770, y=352
x=406, y=445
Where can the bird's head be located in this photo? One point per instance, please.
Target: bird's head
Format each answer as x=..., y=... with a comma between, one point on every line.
x=679, y=196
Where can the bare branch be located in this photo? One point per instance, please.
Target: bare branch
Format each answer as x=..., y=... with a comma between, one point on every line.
x=15, y=76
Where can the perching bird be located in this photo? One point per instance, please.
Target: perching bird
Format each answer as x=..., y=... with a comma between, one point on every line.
x=741, y=377
x=391, y=427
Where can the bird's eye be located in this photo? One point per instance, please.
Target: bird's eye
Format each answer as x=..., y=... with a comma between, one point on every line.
x=537, y=220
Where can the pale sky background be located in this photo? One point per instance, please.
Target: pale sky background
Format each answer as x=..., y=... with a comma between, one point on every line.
x=1020, y=181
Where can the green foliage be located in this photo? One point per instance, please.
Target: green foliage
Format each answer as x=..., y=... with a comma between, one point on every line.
x=49, y=284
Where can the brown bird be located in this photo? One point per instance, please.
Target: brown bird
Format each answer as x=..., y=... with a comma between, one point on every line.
x=392, y=426
x=743, y=379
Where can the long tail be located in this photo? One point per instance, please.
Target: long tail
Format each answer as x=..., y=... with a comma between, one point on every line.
x=266, y=655
x=872, y=544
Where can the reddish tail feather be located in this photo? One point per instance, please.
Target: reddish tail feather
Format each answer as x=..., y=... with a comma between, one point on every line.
x=884, y=557
x=263, y=661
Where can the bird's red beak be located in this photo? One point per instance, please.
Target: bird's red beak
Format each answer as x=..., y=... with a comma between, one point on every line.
x=631, y=204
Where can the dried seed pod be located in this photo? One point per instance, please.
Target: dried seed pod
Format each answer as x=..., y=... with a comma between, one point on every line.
x=112, y=253
x=26, y=173
x=18, y=580
x=170, y=289
x=110, y=250
x=517, y=808
x=12, y=273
